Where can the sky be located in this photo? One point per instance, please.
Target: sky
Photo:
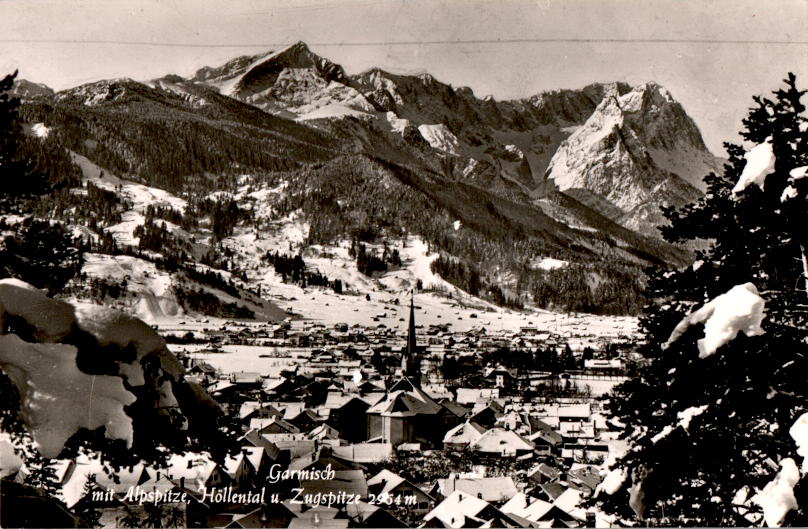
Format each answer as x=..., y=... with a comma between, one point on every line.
x=712, y=55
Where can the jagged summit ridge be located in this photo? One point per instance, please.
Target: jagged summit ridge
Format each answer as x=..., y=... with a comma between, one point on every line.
x=292, y=82
x=611, y=145
x=637, y=149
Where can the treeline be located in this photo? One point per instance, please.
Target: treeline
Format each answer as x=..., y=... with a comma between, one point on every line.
x=293, y=270
x=363, y=200
x=224, y=215
x=90, y=206
x=370, y=261
x=198, y=300
x=162, y=139
x=214, y=279
x=187, y=221
x=155, y=237
x=604, y=289
x=467, y=277
x=459, y=274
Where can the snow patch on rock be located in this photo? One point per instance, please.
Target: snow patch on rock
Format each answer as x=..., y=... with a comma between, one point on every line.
x=666, y=431
x=516, y=151
x=40, y=130
x=550, y=263
x=439, y=137
x=799, y=172
x=397, y=124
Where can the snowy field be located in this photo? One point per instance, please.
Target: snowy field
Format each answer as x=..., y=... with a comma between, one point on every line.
x=248, y=358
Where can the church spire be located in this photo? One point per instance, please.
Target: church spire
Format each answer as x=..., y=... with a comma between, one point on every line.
x=411, y=344
x=409, y=355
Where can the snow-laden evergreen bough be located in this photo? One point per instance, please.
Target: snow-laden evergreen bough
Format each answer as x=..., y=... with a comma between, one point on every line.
x=85, y=379
x=717, y=422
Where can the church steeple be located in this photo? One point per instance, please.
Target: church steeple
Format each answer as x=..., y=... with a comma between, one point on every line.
x=408, y=357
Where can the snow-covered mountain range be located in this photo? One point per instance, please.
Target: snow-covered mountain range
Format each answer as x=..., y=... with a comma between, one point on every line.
x=568, y=175
x=633, y=149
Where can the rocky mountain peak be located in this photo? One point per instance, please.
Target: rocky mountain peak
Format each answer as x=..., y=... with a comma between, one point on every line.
x=25, y=89
x=101, y=92
x=637, y=151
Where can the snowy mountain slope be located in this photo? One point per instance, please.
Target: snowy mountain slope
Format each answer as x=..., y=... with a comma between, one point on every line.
x=292, y=82
x=629, y=141
x=141, y=196
x=152, y=298
x=147, y=290
x=637, y=152
x=27, y=90
x=288, y=140
x=138, y=195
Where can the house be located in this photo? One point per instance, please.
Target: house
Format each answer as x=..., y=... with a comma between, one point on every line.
x=464, y=510
x=387, y=484
x=493, y=489
x=252, y=409
x=501, y=442
x=487, y=414
x=365, y=452
x=546, y=442
x=462, y=435
x=569, y=503
x=363, y=514
x=247, y=380
x=515, y=421
x=323, y=432
x=296, y=444
x=259, y=459
x=528, y=507
x=574, y=413
x=537, y=511
x=194, y=472
x=272, y=425
x=457, y=409
x=349, y=417
x=584, y=478
x=502, y=378
x=240, y=471
x=224, y=391
x=306, y=420
x=347, y=481
x=585, y=451
x=544, y=473
x=271, y=452
x=476, y=396
x=407, y=414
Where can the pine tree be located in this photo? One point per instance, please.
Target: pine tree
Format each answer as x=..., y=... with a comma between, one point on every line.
x=745, y=397
x=18, y=177
x=86, y=509
x=42, y=254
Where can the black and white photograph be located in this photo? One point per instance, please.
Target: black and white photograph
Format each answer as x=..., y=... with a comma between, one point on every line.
x=403, y=263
